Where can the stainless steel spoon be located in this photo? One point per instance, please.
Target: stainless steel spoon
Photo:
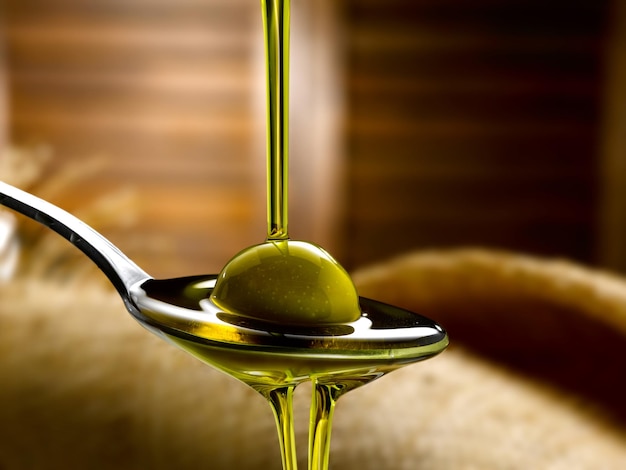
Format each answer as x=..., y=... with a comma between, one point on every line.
x=178, y=305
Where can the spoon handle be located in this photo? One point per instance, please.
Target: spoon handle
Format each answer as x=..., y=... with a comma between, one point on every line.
x=120, y=270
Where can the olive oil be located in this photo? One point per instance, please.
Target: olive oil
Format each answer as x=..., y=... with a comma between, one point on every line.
x=287, y=282
x=291, y=289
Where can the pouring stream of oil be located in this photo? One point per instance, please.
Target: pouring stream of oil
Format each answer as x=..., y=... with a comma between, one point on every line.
x=276, y=25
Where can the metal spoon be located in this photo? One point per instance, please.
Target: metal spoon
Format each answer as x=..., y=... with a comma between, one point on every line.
x=176, y=305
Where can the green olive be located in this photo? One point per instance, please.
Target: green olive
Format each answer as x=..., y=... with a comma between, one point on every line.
x=287, y=282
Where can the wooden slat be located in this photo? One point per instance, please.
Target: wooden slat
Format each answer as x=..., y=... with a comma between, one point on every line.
x=612, y=217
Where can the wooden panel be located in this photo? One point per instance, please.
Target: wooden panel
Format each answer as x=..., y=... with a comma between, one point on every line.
x=473, y=123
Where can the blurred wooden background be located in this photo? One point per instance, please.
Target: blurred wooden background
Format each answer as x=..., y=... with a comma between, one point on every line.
x=415, y=123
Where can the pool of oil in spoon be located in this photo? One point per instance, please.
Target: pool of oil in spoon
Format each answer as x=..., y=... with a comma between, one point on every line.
x=256, y=352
